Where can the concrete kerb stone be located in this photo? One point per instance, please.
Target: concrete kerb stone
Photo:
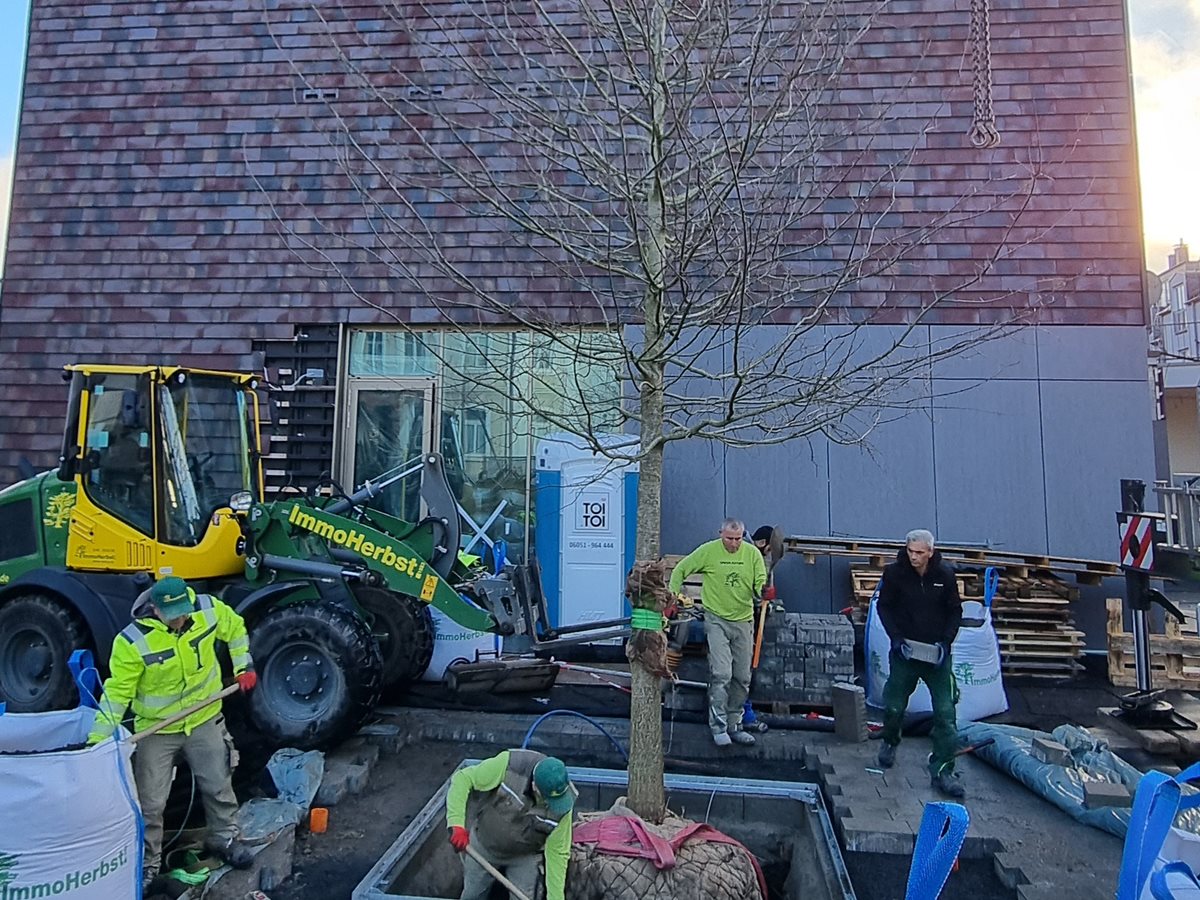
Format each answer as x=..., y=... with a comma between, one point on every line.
x=390, y=737
x=342, y=778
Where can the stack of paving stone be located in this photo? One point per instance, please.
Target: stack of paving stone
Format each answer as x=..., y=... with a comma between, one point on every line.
x=803, y=656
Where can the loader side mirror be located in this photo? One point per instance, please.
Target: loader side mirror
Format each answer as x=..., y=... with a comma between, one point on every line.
x=241, y=502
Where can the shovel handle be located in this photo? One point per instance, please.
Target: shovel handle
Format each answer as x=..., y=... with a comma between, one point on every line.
x=183, y=714
x=496, y=873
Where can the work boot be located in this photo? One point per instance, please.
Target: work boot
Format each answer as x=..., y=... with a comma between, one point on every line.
x=721, y=739
x=741, y=737
x=231, y=851
x=948, y=785
x=887, y=755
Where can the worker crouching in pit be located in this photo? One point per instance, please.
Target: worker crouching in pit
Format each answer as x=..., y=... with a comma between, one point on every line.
x=162, y=664
x=519, y=805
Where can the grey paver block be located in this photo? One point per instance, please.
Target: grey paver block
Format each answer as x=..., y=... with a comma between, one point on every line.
x=1102, y=793
x=877, y=836
x=1051, y=752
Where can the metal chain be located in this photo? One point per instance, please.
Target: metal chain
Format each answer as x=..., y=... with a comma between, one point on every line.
x=983, y=132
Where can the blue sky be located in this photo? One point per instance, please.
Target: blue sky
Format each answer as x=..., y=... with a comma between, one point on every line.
x=1166, y=64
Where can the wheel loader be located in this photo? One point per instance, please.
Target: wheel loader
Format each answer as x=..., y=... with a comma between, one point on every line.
x=161, y=474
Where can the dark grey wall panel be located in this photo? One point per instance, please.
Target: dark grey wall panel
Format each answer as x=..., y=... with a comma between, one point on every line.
x=988, y=458
x=1095, y=353
x=887, y=489
x=785, y=485
x=694, y=490
x=1008, y=356
x=1094, y=434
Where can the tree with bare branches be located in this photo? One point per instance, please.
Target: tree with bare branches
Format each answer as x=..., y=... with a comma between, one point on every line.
x=707, y=201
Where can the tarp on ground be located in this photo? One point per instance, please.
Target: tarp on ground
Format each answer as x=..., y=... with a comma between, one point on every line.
x=1091, y=761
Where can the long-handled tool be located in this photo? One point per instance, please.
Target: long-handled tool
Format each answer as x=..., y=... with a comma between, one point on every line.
x=183, y=714
x=775, y=548
x=496, y=873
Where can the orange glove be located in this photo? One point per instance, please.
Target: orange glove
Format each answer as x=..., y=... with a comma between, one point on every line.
x=769, y=593
x=459, y=838
x=247, y=680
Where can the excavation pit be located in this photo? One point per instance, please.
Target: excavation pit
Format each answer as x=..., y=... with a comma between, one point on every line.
x=784, y=824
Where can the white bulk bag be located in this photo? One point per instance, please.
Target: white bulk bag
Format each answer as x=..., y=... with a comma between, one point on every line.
x=975, y=657
x=73, y=825
x=454, y=643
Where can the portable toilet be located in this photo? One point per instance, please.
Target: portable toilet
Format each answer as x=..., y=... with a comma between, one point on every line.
x=586, y=507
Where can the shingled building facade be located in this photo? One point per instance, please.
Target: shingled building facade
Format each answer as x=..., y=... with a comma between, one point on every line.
x=174, y=174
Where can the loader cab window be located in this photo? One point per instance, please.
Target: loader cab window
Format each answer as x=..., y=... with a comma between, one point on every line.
x=208, y=451
x=119, y=463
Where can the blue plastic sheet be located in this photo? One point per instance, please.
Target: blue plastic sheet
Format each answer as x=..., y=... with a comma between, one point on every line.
x=1091, y=761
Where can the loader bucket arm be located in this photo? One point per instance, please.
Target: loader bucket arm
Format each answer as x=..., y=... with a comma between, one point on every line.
x=399, y=565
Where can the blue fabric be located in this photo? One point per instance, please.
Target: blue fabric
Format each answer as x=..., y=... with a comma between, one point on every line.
x=943, y=830
x=991, y=581
x=1160, y=889
x=87, y=679
x=499, y=555
x=1158, y=800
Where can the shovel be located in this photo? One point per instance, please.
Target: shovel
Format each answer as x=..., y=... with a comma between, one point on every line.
x=775, y=548
x=184, y=713
x=496, y=873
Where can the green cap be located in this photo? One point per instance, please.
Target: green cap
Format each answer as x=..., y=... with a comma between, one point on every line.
x=173, y=598
x=552, y=782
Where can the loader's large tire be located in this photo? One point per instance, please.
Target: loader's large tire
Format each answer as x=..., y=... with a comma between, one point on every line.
x=403, y=628
x=37, y=636
x=319, y=675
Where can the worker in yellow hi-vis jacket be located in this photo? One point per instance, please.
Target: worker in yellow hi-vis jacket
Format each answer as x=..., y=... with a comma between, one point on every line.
x=519, y=804
x=161, y=664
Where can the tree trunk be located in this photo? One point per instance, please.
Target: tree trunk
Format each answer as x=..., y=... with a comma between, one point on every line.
x=645, y=703
x=646, y=794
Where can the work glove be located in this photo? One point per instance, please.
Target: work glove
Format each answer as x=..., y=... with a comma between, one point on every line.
x=769, y=593
x=247, y=680
x=459, y=838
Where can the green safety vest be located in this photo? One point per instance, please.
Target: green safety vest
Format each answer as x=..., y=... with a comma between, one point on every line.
x=159, y=672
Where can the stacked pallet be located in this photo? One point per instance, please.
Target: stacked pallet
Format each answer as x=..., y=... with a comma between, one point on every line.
x=1031, y=614
x=1174, y=655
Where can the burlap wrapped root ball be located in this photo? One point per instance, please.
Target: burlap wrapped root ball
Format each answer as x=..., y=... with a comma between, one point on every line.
x=703, y=871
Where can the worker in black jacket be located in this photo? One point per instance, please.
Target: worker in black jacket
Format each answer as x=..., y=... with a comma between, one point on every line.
x=920, y=609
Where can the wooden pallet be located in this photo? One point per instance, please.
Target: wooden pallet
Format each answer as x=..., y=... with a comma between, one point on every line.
x=1014, y=565
x=1031, y=615
x=1174, y=656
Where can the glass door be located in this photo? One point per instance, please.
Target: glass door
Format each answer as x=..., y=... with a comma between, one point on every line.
x=391, y=424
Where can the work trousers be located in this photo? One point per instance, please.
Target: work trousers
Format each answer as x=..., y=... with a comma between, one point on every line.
x=522, y=871
x=729, y=648
x=209, y=753
x=902, y=681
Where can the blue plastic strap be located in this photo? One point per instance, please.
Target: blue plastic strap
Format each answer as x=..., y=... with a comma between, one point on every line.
x=499, y=555
x=87, y=679
x=943, y=830
x=1161, y=890
x=991, y=581
x=1154, y=808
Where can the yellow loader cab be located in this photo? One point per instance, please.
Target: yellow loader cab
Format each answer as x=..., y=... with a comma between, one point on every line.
x=158, y=455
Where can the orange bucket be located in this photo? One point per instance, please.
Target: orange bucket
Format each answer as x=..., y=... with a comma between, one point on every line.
x=318, y=819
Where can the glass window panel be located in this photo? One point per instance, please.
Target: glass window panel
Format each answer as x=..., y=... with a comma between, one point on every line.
x=394, y=353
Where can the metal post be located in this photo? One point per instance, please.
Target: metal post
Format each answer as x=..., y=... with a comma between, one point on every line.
x=1133, y=500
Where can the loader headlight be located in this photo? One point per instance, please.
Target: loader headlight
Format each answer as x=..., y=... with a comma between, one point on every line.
x=241, y=501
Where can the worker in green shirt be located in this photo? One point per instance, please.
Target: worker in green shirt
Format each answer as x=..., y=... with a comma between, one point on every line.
x=519, y=805
x=734, y=576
